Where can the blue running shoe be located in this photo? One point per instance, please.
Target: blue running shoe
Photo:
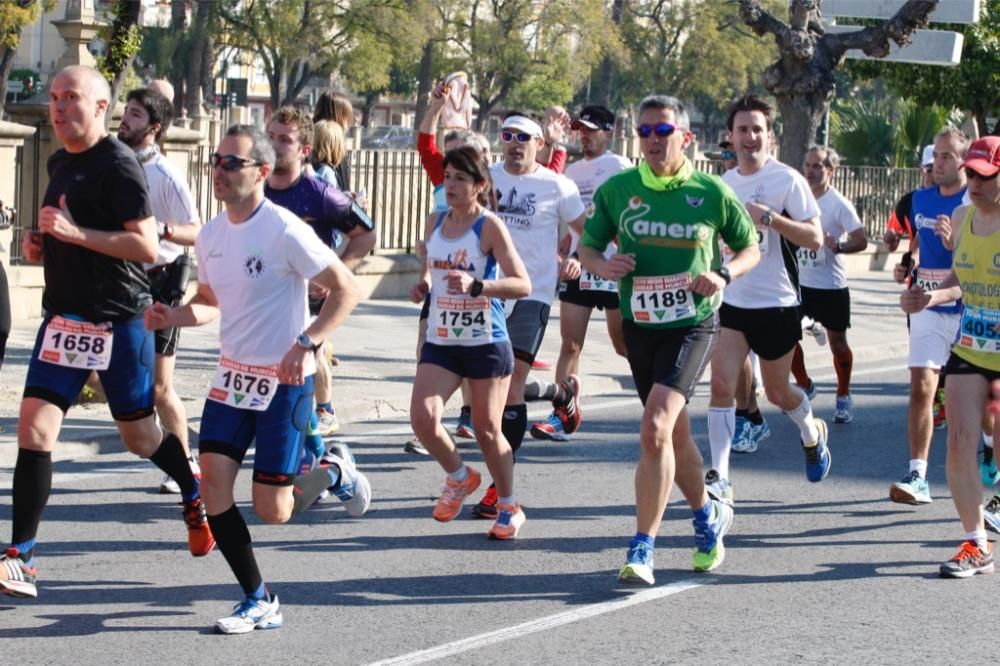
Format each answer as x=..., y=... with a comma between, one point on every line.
x=464, y=428
x=913, y=489
x=709, y=550
x=818, y=457
x=551, y=428
x=740, y=434
x=638, y=567
x=252, y=614
x=843, y=412
x=988, y=468
x=755, y=435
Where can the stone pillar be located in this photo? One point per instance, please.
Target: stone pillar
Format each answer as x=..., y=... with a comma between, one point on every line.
x=25, y=281
x=79, y=27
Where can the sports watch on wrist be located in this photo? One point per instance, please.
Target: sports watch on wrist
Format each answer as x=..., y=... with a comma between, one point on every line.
x=306, y=342
x=724, y=273
x=766, y=218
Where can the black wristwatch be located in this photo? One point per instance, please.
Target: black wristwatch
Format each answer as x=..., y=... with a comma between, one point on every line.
x=724, y=273
x=766, y=218
x=306, y=342
x=477, y=288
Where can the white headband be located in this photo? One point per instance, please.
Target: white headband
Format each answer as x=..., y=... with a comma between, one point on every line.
x=522, y=124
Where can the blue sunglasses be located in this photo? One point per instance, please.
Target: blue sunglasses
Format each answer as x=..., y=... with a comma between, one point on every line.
x=660, y=129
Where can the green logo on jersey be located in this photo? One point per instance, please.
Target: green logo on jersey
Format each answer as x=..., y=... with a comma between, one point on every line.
x=981, y=343
x=633, y=224
x=660, y=313
x=457, y=332
x=71, y=357
x=238, y=398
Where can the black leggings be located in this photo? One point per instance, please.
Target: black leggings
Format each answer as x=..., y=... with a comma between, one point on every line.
x=4, y=313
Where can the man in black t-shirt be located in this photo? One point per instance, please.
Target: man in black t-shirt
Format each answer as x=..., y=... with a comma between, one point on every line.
x=94, y=231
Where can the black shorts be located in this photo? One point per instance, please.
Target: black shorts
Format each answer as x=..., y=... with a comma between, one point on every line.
x=770, y=332
x=526, y=327
x=830, y=307
x=570, y=292
x=674, y=357
x=957, y=365
x=165, y=339
x=495, y=359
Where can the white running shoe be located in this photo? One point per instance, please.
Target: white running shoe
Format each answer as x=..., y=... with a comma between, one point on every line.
x=353, y=490
x=252, y=614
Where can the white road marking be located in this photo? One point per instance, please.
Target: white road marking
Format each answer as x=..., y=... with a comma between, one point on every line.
x=541, y=624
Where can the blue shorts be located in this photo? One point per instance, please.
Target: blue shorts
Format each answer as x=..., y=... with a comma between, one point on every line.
x=128, y=381
x=279, y=431
x=495, y=359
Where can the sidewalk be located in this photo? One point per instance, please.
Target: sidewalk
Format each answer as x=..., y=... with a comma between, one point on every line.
x=377, y=348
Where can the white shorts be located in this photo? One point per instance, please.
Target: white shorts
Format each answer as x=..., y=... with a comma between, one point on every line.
x=932, y=335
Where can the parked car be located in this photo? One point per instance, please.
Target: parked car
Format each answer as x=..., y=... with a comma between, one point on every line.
x=392, y=137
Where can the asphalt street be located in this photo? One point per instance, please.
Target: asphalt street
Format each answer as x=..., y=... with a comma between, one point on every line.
x=814, y=573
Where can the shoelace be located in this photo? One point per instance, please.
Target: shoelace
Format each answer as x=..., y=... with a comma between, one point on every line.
x=911, y=477
x=639, y=554
x=969, y=551
x=194, y=513
x=453, y=493
x=245, y=607
x=813, y=454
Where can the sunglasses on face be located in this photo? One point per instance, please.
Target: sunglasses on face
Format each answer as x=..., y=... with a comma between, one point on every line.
x=521, y=137
x=728, y=155
x=970, y=174
x=231, y=162
x=662, y=130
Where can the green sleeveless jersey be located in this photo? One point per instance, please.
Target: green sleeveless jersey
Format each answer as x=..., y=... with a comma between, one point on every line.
x=674, y=235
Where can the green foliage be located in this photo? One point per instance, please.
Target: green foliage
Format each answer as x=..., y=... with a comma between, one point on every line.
x=973, y=85
x=123, y=37
x=15, y=15
x=884, y=132
x=690, y=49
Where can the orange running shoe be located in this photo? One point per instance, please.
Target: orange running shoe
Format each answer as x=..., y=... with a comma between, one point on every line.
x=200, y=539
x=455, y=492
x=487, y=507
x=510, y=517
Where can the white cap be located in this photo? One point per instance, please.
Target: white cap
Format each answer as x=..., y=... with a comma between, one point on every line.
x=928, y=157
x=523, y=124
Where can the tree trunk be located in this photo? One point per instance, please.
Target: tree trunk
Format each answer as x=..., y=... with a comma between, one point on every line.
x=179, y=26
x=369, y=108
x=605, y=78
x=425, y=83
x=800, y=119
x=192, y=80
x=118, y=62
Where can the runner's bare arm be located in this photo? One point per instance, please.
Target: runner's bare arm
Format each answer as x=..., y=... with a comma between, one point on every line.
x=136, y=242
x=515, y=282
x=804, y=233
x=201, y=309
x=344, y=295
x=360, y=243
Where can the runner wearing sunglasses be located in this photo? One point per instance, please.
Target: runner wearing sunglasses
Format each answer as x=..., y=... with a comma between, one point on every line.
x=668, y=219
x=580, y=291
x=535, y=204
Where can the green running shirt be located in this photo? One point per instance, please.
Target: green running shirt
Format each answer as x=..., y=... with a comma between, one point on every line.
x=674, y=235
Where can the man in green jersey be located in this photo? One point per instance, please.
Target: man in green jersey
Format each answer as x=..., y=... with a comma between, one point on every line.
x=668, y=219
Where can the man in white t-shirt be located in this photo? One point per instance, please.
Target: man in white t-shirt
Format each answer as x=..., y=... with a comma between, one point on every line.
x=147, y=116
x=581, y=291
x=823, y=278
x=760, y=312
x=535, y=203
x=255, y=260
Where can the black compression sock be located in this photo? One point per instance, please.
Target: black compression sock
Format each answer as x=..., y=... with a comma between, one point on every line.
x=233, y=539
x=755, y=417
x=515, y=421
x=32, y=485
x=745, y=413
x=170, y=457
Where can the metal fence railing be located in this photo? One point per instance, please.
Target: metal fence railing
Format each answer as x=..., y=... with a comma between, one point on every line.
x=400, y=195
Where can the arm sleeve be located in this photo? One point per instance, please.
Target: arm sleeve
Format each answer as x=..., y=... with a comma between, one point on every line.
x=737, y=228
x=126, y=187
x=599, y=229
x=570, y=204
x=305, y=252
x=340, y=211
x=800, y=204
x=557, y=161
x=430, y=157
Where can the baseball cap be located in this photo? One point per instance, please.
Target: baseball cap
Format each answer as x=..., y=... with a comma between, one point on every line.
x=594, y=117
x=984, y=156
x=522, y=124
x=927, y=159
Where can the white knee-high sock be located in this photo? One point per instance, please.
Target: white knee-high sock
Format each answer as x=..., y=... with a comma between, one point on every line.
x=721, y=428
x=803, y=417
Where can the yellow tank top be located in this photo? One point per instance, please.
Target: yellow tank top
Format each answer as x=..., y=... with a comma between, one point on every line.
x=977, y=265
